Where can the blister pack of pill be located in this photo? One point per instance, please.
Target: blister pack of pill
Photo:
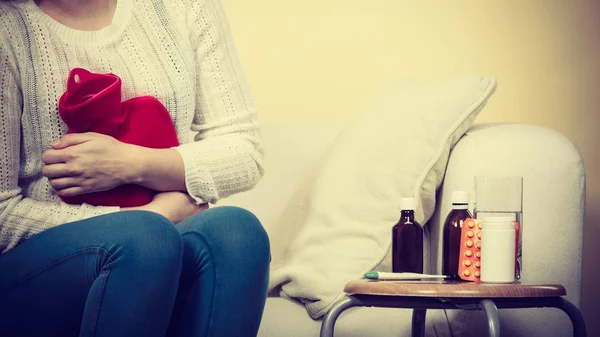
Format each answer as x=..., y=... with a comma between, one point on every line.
x=469, y=261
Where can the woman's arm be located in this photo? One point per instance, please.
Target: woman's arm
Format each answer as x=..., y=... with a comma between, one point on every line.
x=88, y=162
x=226, y=155
x=158, y=169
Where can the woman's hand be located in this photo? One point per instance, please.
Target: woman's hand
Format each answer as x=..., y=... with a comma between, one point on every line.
x=87, y=162
x=175, y=206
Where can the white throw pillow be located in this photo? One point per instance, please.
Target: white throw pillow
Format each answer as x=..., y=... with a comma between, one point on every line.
x=397, y=147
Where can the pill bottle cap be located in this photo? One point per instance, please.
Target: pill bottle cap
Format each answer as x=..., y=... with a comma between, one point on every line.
x=407, y=204
x=460, y=198
x=494, y=216
x=498, y=218
x=498, y=223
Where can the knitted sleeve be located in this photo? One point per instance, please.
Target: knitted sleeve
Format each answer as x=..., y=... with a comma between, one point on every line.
x=226, y=155
x=22, y=217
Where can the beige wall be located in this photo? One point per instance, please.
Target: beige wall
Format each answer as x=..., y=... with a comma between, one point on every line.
x=323, y=57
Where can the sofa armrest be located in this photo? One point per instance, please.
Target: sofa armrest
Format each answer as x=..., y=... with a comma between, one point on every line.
x=553, y=196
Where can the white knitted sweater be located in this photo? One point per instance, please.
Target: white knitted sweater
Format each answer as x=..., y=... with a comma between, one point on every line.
x=179, y=51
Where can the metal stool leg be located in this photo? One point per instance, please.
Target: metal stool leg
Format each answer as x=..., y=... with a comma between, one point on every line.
x=418, y=322
x=491, y=312
x=329, y=320
x=574, y=314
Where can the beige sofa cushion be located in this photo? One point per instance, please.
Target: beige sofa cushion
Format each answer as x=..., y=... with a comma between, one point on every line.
x=396, y=147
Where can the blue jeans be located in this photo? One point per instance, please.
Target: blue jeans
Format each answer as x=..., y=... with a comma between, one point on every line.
x=135, y=274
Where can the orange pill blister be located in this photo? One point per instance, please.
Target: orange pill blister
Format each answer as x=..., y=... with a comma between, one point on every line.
x=469, y=262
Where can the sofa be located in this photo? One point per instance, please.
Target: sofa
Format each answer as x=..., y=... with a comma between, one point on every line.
x=554, y=197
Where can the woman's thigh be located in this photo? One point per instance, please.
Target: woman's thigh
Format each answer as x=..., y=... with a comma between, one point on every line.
x=46, y=281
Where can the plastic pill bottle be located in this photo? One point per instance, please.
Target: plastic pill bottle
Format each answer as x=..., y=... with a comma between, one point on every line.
x=498, y=250
x=502, y=196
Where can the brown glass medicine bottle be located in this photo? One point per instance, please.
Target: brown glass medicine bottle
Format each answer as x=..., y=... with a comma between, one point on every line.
x=452, y=232
x=407, y=240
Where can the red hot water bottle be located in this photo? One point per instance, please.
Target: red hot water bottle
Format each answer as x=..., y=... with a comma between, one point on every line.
x=92, y=103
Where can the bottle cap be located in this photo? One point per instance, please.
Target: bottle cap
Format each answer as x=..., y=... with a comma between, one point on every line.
x=498, y=222
x=407, y=204
x=496, y=217
x=460, y=198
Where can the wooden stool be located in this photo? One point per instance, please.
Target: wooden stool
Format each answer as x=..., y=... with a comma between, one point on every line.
x=423, y=295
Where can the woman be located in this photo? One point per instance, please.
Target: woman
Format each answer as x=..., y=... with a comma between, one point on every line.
x=80, y=270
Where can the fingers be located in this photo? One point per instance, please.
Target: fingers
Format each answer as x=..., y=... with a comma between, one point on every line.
x=57, y=155
x=61, y=184
x=64, y=180
x=52, y=156
x=72, y=139
x=59, y=170
x=71, y=191
x=71, y=186
x=68, y=187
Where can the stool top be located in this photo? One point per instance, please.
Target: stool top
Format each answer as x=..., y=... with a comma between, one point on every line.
x=452, y=289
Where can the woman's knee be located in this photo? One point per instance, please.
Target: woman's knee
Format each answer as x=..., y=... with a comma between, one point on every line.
x=231, y=228
x=148, y=236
